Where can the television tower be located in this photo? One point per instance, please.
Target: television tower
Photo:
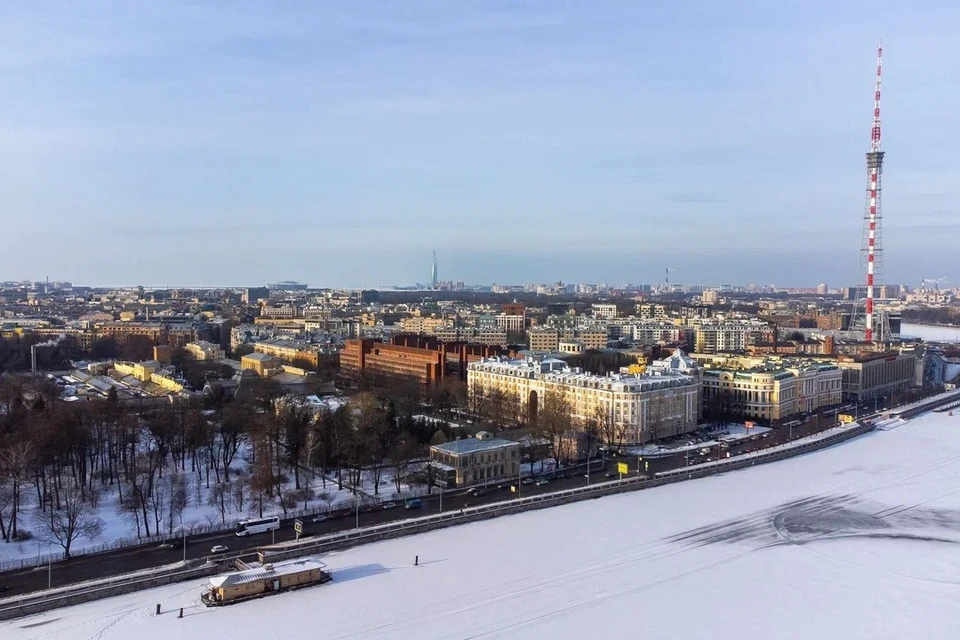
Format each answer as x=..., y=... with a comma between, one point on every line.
x=433, y=272
x=871, y=250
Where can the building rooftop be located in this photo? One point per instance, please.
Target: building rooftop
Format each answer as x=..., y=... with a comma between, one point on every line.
x=262, y=357
x=267, y=572
x=473, y=445
x=557, y=371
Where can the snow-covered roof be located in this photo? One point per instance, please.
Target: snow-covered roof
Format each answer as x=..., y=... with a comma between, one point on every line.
x=267, y=571
x=473, y=445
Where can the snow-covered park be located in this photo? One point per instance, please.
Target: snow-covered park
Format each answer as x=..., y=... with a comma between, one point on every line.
x=857, y=541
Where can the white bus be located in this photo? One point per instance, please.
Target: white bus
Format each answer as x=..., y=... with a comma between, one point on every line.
x=260, y=525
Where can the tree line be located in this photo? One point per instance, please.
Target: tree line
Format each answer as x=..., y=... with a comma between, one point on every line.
x=61, y=461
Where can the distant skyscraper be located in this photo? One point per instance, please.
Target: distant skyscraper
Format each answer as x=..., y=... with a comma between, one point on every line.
x=433, y=272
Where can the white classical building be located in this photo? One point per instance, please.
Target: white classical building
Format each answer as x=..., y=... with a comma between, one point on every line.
x=631, y=408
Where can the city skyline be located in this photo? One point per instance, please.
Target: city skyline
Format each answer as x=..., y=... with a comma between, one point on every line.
x=525, y=143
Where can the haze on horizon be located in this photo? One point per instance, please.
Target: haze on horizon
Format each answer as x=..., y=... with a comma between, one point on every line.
x=340, y=143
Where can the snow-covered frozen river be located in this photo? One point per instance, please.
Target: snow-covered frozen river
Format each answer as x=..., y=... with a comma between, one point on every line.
x=930, y=333
x=857, y=541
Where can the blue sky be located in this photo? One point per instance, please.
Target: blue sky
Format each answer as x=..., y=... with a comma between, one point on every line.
x=339, y=143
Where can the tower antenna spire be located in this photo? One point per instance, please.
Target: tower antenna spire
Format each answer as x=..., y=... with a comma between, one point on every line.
x=871, y=248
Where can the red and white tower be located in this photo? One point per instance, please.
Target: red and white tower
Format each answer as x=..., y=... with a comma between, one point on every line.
x=871, y=249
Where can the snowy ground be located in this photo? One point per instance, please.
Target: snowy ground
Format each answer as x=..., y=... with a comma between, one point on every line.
x=198, y=517
x=858, y=541
x=729, y=434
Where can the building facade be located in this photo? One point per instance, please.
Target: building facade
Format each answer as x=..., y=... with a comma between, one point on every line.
x=260, y=363
x=289, y=351
x=769, y=389
x=511, y=324
x=605, y=311
x=630, y=408
x=203, y=350
x=731, y=335
x=869, y=377
x=426, y=360
x=480, y=460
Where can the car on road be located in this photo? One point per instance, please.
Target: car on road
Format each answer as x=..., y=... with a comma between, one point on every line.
x=389, y=505
x=542, y=482
x=320, y=518
x=414, y=503
x=219, y=548
x=609, y=474
x=527, y=481
x=476, y=492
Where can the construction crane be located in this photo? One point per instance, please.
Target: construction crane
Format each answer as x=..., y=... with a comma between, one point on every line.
x=934, y=281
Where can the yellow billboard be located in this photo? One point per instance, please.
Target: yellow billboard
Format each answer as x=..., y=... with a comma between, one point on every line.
x=846, y=418
x=622, y=468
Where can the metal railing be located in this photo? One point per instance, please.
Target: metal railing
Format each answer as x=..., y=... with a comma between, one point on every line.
x=67, y=595
x=63, y=596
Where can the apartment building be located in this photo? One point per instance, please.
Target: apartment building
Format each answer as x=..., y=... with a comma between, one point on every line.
x=480, y=460
x=511, y=324
x=281, y=311
x=121, y=331
x=651, y=311
x=735, y=335
x=636, y=408
x=544, y=339
x=659, y=332
x=421, y=324
x=605, y=311
x=549, y=338
x=289, y=351
x=203, y=350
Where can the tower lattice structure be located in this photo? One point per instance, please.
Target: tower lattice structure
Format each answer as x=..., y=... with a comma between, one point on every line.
x=871, y=250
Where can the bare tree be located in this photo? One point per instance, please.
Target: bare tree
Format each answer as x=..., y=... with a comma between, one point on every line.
x=325, y=498
x=404, y=450
x=16, y=457
x=217, y=498
x=72, y=520
x=555, y=424
x=178, y=499
x=238, y=489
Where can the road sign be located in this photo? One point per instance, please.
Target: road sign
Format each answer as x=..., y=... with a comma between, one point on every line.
x=298, y=526
x=622, y=468
x=513, y=488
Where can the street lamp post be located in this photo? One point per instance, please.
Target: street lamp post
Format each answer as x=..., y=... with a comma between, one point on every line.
x=519, y=476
